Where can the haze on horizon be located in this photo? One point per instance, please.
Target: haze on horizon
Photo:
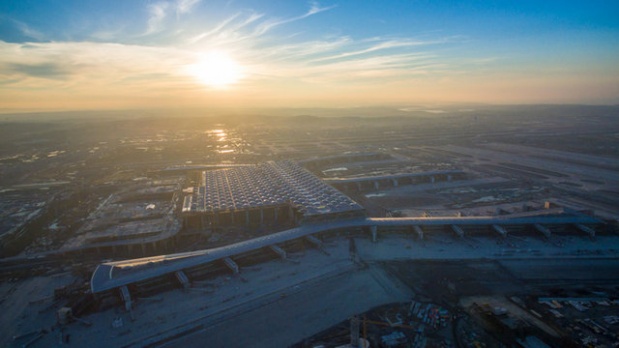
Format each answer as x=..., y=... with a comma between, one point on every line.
x=77, y=54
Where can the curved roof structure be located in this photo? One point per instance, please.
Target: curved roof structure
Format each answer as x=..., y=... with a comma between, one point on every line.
x=112, y=275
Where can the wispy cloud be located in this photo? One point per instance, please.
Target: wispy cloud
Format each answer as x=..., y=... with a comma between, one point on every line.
x=303, y=50
x=248, y=25
x=395, y=66
x=185, y=6
x=237, y=27
x=316, y=8
x=229, y=27
x=266, y=26
x=157, y=13
x=23, y=28
x=377, y=47
x=29, y=32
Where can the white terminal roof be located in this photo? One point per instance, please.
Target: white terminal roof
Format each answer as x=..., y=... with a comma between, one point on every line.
x=263, y=185
x=111, y=275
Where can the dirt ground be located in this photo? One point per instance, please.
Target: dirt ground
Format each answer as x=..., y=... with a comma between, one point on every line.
x=24, y=300
x=294, y=317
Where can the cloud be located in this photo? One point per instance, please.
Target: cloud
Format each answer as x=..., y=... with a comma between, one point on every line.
x=305, y=49
x=157, y=13
x=343, y=59
x=380, y=46
x=228, y=28
x=270, y=24
x=131, y=67
x=88, y=67
x=393, y=67
x=241, y=26
x=315, y=8
x=29, y=32
x=154, y=68
x=185, y=6
x=12, y=27
x=48, y=70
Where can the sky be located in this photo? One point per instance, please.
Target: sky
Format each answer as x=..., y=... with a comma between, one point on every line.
x=120, y=54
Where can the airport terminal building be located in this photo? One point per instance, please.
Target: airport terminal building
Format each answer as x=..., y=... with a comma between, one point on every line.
x=269, y=194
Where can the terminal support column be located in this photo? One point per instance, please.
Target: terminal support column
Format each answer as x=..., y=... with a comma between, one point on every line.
x=419, y=231
x=543, y=230
x=501, y=230
x=588, y=230
x=374, y=231
x=457, y=230
x=232, y=265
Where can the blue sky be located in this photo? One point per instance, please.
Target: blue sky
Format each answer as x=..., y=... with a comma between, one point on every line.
x=90, y=54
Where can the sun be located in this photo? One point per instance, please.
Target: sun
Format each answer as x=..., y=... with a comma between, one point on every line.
x=217, y=70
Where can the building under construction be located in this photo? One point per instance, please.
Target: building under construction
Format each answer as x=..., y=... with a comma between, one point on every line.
x=307, y=211
x=268, y=194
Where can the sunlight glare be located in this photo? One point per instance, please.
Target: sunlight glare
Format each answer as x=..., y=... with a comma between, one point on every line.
x=217, y=70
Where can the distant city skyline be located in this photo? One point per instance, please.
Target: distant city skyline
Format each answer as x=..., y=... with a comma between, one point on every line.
x=71, y=55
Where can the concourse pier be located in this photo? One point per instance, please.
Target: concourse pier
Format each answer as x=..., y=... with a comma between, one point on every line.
x=147, y=272
x=379, y=182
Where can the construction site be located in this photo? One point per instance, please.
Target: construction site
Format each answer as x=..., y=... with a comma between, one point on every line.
x=139, y=219
x=328, y=243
